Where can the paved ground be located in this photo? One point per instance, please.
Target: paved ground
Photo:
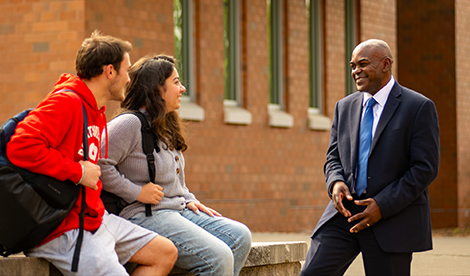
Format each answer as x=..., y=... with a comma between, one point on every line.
x=450, y=256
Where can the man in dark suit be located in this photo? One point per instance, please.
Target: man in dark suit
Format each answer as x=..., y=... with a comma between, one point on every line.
x=380, y=161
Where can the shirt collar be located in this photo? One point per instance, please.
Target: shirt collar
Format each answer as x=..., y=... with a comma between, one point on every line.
x=382, y=95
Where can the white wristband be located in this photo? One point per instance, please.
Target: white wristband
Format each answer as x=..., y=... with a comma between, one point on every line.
x=83, y=174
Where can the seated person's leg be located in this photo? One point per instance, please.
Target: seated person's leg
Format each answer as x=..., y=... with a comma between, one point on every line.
x=235, y=234
x=156, y=255
x=97, y=255
x=199, y=252
x=156, y=258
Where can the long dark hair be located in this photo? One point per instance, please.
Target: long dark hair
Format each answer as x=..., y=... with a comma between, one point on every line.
x=148, y=76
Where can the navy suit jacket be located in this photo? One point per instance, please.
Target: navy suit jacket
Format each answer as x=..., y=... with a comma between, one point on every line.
x=403, y=161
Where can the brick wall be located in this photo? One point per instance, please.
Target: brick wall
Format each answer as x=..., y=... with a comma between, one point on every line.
x=269, y=178
x=38, y=42
x=426, y=54
x=297, y=67
x=148, y=25
x=378, y=20
x=462, y=30
x=40, y=39
x=334, y=55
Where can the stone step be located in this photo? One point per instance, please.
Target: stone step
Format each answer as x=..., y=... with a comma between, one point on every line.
x=265, y=258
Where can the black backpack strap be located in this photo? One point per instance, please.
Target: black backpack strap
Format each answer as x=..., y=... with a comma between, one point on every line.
x=149, y=143
x=81, y=219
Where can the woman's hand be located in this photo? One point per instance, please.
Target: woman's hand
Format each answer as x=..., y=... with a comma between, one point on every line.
x=196, y=207
x=151, y=194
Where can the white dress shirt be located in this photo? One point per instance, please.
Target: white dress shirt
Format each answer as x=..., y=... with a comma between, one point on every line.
x=381, y=98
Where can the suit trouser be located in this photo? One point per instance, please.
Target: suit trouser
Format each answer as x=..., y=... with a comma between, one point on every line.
x=333, y=248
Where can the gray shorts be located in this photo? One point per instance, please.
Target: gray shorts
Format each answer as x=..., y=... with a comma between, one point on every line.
x=103, y=252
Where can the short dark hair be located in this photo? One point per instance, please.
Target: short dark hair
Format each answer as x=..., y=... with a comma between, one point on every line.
x=98, y=51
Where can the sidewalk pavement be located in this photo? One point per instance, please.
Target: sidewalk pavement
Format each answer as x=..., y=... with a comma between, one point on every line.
x=450, y=256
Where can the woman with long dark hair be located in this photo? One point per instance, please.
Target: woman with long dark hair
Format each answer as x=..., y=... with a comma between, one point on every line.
x=208, y=244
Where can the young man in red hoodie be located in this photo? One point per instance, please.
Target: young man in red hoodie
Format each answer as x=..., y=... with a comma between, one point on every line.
x=49, y=141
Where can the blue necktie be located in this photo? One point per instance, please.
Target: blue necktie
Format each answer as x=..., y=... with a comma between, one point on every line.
x=364, y=146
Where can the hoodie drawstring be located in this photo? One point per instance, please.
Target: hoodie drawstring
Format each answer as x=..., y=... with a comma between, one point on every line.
x=106, y=135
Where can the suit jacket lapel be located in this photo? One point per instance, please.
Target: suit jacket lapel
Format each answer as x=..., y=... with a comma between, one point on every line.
x=390, y=107
x=356, y=110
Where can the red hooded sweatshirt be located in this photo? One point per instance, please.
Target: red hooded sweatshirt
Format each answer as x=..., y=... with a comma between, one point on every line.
x=49, y=141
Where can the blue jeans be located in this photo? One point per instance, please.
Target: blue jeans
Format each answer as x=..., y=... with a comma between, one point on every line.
x=206, y=245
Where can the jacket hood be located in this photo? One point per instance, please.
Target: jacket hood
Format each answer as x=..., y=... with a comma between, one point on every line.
x=72, y=82
x=69, y=81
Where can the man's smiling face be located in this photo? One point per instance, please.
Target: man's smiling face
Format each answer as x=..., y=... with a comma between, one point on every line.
x=367, y=69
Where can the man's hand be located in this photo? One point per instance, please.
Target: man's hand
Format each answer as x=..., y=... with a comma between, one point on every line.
x=195, y=207
x=92, y=174
x=340, y=191
x=151, y=194
x=370, y=216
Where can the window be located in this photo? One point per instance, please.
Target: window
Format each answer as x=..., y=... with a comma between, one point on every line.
x=351, y=37
x=314, y=14
x=183, y=17
x=277, y=116
x=317, y=120
x=276, y=51
x=232, y=46
x=233, y=110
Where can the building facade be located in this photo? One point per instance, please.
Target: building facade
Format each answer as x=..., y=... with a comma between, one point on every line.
x=263, y=77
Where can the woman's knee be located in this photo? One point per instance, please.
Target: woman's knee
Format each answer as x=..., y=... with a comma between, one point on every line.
x=243, y=234
x=222, y=259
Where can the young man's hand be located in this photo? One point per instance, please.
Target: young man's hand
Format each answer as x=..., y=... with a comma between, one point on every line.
x=92, y=175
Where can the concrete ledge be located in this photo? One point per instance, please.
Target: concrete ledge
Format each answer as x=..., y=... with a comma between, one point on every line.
x=318, y=121
x=236, y=115
x=269, y=259
x=19, y=265
x=191, y=111
x=266, y=258
x=268, y=253
x=279, y=117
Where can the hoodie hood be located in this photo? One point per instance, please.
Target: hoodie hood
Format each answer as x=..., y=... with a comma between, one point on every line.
x=69, y=81
x=72, y=82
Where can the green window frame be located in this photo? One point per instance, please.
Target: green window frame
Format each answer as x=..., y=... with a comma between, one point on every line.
x=276, y=52
x=351, y=35
x=183, y=36
x=315, y=22
x=232, y=51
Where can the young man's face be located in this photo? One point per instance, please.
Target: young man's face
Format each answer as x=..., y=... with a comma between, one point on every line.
x=117, y=88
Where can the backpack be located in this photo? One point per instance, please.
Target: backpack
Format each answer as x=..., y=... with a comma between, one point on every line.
x=113, y=203
x=33, y=205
